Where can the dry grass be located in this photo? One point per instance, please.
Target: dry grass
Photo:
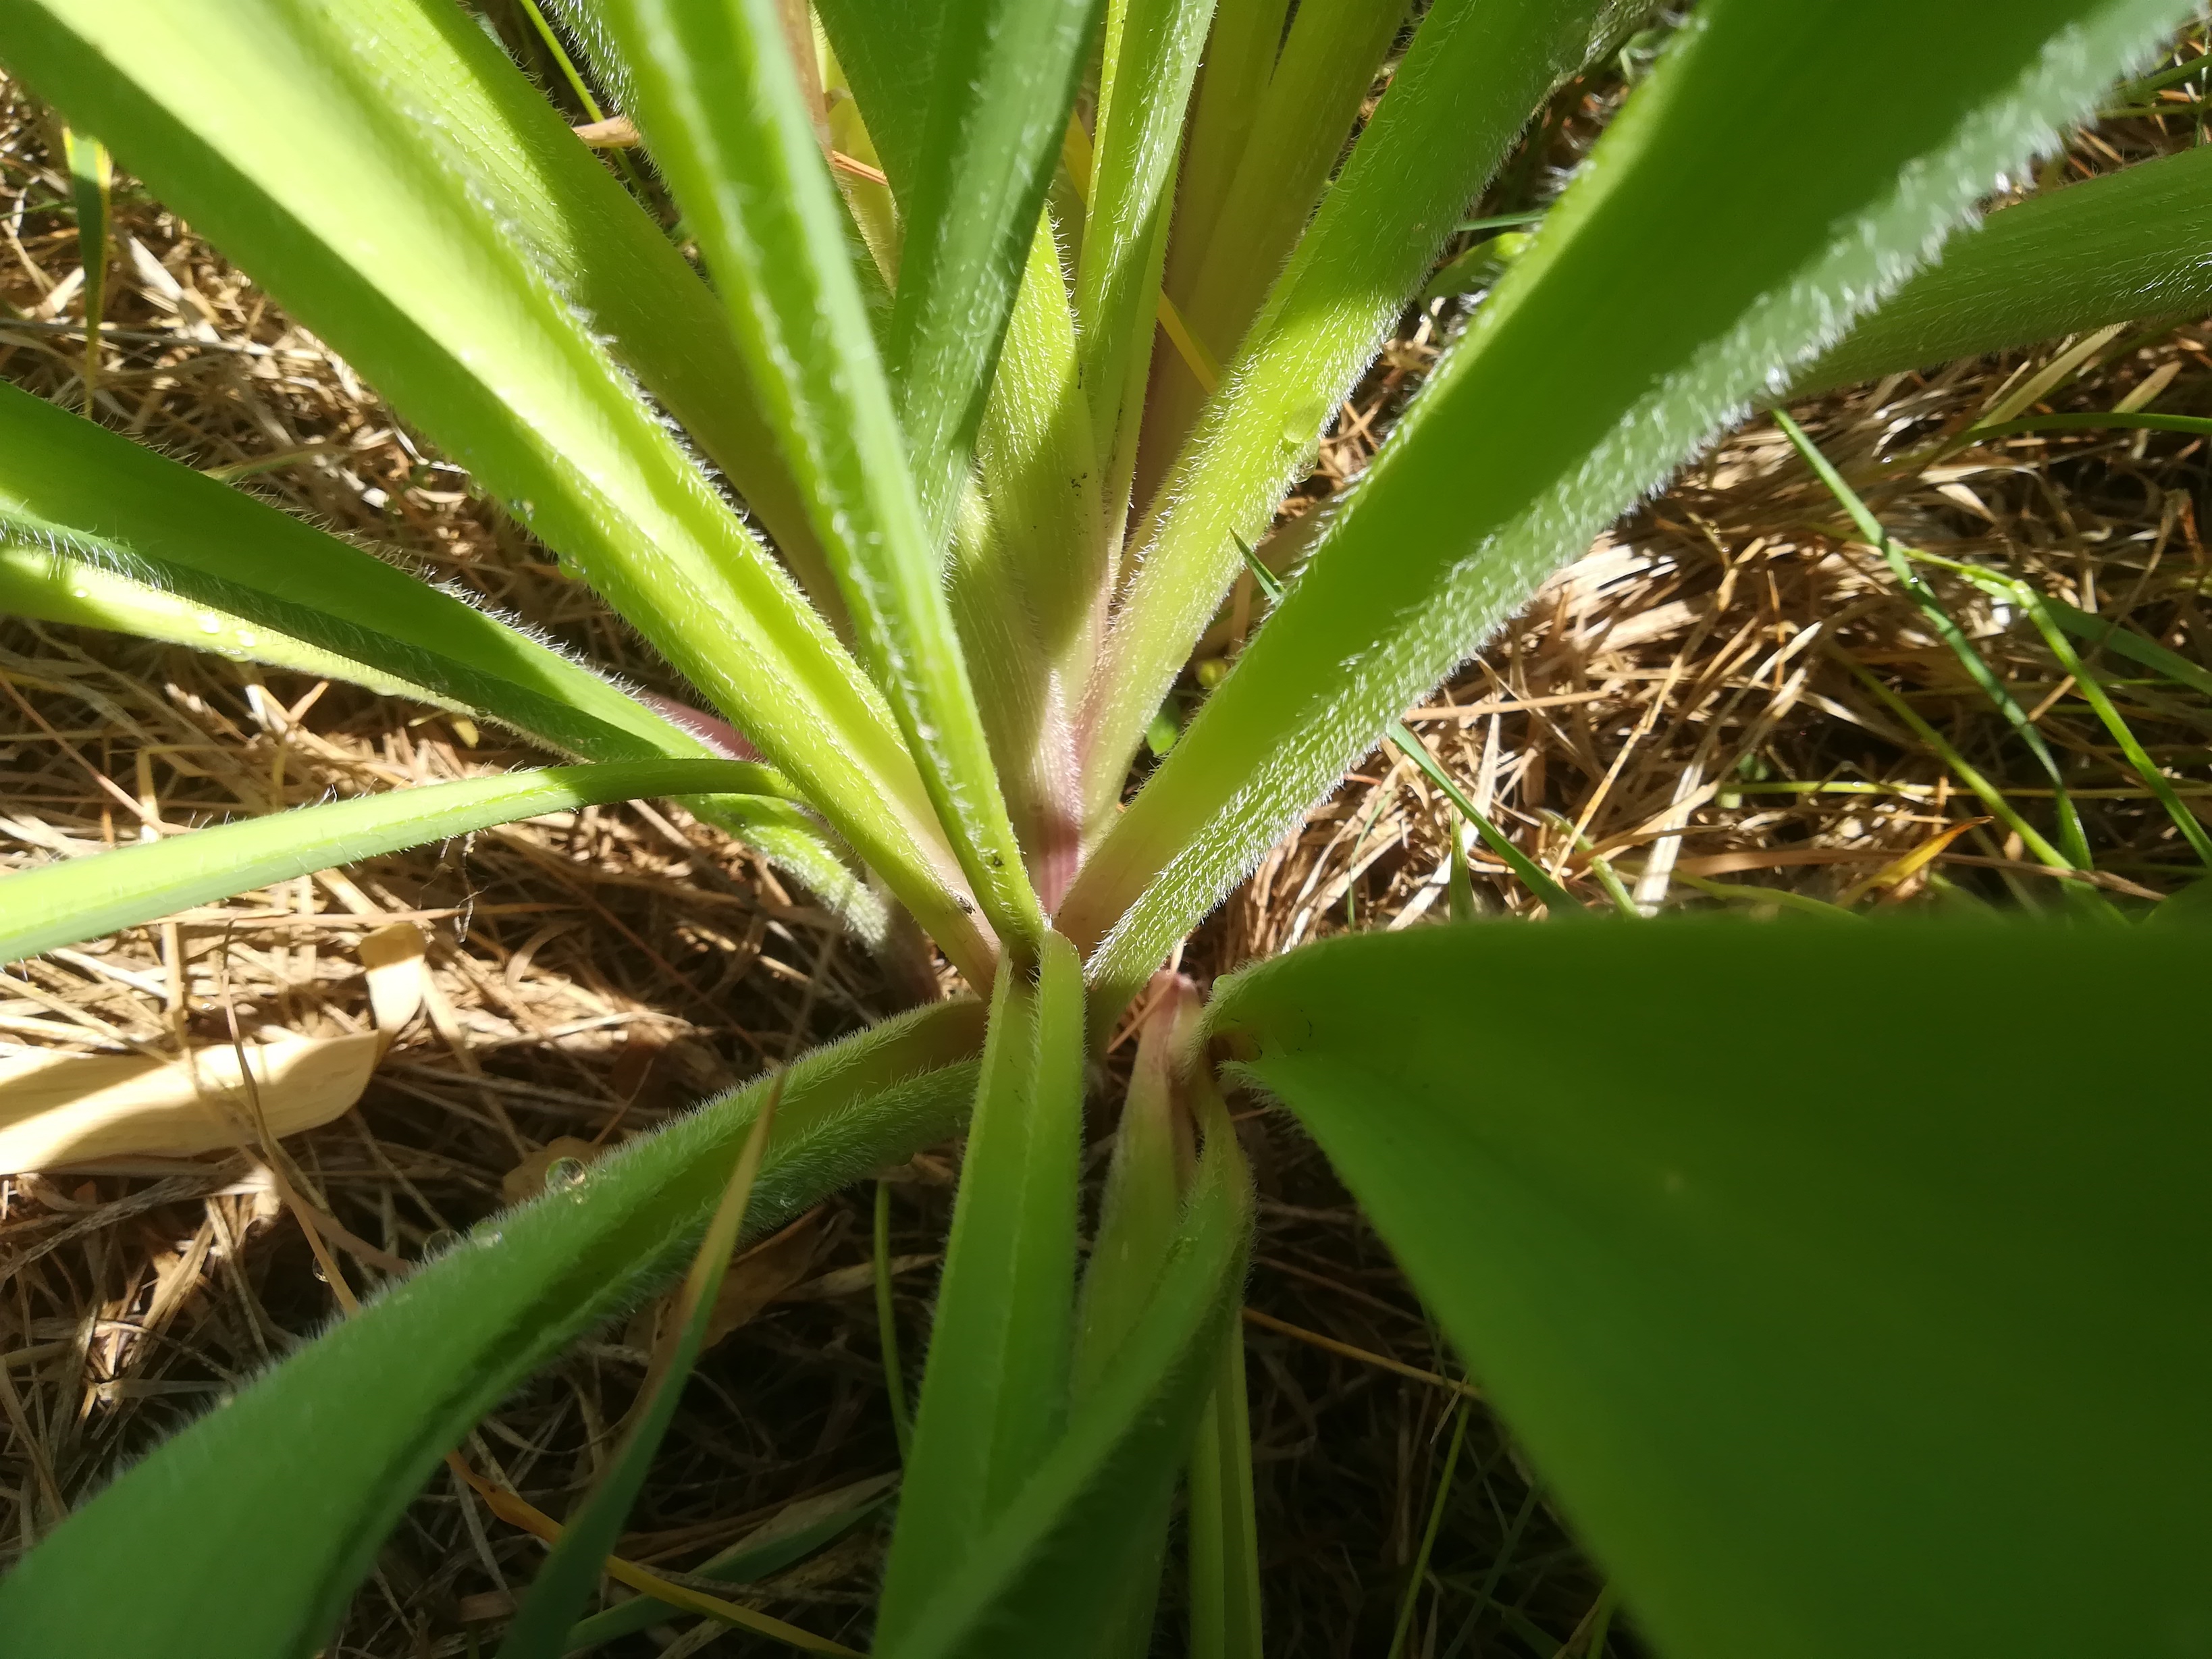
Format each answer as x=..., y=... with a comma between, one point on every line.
x=1684, y=697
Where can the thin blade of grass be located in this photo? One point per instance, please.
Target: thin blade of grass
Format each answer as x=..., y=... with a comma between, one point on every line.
x=79, y=899
x=1418, y=1579
x=887, y=1324
x=570, y=1573
x=92, y=176
x=2092, y=687
x=2072, y=841
x=792, y=1535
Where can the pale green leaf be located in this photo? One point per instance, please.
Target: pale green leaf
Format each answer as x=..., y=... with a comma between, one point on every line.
x=248, y=1532
x=241, y=117
x=1328, y=63
x=1150, y=58
x=605, y=255
x=1455, y=103
x=76, y=899
x=718, y=99
x=1877, y=124
x=1831, y=1282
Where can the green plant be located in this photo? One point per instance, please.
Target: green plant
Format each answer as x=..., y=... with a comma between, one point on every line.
x=1817, y=1371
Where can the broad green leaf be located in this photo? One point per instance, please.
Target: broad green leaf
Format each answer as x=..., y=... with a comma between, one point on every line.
x=1829, y=1317
x=601, y=250
x=247, y=1533
x=1877, y=125
x=1050, y=1574
x=78, y=899
x=718, y=99
x=994, y=1391
x=1474, y=70
x=2132, y=244
x=240, y=116
x=1002, y=80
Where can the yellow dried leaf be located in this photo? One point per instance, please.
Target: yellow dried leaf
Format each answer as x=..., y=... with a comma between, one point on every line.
x=58, y=1108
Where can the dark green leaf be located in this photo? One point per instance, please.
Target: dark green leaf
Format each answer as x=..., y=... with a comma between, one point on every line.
x=246, y=1533
x=1849, y=1285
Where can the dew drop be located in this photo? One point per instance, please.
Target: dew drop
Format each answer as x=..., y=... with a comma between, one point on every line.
x=211, y=624
x=564, y=1173
x=439, y=1243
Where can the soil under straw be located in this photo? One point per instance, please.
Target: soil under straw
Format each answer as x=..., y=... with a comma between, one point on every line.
x=593, y=972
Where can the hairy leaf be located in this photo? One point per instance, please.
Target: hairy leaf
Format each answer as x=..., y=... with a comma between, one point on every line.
x=718, y=98
x=2132, y=244
x=247, y=1531
x=1877, y=124
x=1474, y=70
x=242, y=117
x=1049, y=1575
x=995, y=1392
x=82, y=899
x=1001, y=83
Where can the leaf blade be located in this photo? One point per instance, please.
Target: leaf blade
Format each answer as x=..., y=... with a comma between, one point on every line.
x=238, y=117
x=994, y=1390
x=83, y=898
x=1464, y=513
x=425, y=1358
x=1789, y=1357
x=750, y=172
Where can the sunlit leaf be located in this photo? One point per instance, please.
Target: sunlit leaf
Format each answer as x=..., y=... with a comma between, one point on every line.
x=1877, y=124
x=78, y=899
x=718, y=98
x=241, y=117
